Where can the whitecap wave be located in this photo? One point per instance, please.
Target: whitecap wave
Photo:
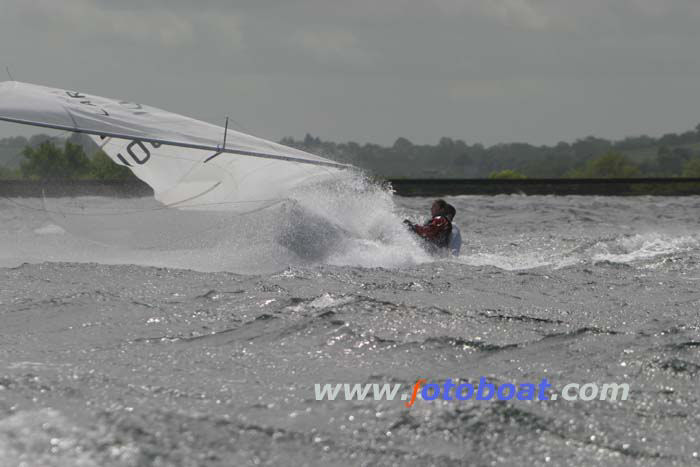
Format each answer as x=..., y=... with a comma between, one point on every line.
x=641, y=247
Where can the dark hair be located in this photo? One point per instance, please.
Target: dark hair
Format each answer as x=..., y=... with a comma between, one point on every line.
x=450, y=212
x=442, y=204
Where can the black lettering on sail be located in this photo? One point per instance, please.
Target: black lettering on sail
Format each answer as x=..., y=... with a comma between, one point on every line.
x=136, y=108
x=144, y=150
x=77, y=95
x=145, y=153
x=121, y=158
x=131, y=105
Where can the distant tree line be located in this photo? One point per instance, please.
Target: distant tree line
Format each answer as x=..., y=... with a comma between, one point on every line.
x=672, y=155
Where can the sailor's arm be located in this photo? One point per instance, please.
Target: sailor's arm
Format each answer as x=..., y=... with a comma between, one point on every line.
x=432, y=229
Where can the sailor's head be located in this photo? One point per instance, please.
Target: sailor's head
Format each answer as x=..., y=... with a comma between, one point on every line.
x=438, y=208
x=450, y=212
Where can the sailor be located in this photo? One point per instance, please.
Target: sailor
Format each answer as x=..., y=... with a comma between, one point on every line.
x=455, y=243
x=435, y=232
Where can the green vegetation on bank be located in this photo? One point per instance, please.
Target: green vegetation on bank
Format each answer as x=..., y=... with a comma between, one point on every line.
x=610, y=165
x=103, y=168
x=49, y=161
x=672, y=155
x=692, y=168
x=507, y=175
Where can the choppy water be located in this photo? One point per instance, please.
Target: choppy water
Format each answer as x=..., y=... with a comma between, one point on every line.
x=137, y=336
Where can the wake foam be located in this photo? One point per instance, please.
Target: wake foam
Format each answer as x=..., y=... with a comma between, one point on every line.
x=641, y=247
x=626, y=249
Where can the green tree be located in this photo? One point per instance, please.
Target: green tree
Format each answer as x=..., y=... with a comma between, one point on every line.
x=8, y=174
x=403, y=145
x=670, y=162
x=590, y=147
x=453, y=158
x=610, y=165
x=104, y=168
x=507, y=175
x=11, y=151
x=48, y=162
x=692, y=168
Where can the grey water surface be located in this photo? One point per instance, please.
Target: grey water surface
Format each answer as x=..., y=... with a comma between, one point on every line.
x=197, y=344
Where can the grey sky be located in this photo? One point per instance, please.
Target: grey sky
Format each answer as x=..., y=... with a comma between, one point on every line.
x=487, y=71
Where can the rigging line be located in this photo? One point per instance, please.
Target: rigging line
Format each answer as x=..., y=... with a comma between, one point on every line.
x=193, y=160
x=156, y=154
x=7, y=69
x=196, y=165
x=225, y=134
x=166, y=142
x=65, y=133
x=223, y=147
x=271, y=145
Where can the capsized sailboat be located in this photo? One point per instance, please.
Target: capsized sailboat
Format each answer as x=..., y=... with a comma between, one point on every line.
x=190, y=164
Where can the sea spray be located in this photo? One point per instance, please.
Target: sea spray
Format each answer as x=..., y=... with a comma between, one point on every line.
x=344, y=220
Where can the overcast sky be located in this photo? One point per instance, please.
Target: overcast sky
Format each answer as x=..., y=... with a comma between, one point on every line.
x=487, y=71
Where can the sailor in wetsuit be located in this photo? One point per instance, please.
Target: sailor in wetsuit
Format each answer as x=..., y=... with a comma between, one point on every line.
x=435, y=232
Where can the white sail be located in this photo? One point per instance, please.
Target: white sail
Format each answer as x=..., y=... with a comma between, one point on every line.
x=184, y=160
